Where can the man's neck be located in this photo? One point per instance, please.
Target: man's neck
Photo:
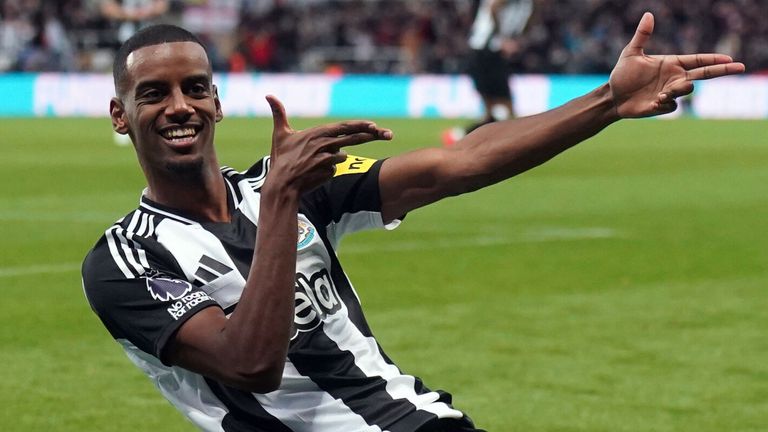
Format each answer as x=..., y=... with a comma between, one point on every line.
x=204, y=197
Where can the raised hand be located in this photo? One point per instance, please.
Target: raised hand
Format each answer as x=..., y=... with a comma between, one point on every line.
x=644, y=85
x=307, y=158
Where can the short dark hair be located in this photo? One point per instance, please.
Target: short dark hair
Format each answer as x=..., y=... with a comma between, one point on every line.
x=148, y=36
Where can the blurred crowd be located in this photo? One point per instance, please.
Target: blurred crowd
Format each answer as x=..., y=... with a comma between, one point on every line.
x=373, y=36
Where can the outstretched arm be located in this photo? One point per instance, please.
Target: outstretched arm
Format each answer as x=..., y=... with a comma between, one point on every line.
x=639, y=86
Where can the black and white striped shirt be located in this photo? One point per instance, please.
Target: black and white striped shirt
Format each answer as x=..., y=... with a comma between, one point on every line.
x=488, y=31
x=156, y=267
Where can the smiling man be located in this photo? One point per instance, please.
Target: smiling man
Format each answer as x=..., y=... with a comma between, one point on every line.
x=224, y=287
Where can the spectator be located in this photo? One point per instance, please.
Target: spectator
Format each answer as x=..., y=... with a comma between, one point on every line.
x=16, y=32
x=37, y=39
x=131, y=15
x=377, y=36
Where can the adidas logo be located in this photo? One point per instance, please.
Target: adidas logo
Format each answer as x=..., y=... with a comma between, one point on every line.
x=210, y=270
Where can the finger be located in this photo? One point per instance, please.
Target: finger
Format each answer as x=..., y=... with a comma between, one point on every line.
x=714, y=71
x=349, y=140
x=333, y=144
x=279, y=117
x=345, y=128
x=677, y=90
x=339, y=157
x=665, y=107
x=691, y=61
x=668, y=107
x=384, y=134
x=331, y=155
x=642, y=34
x=330, y=160
x=381, y=133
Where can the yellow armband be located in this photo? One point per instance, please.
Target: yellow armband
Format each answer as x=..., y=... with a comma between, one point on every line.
x=354, y=165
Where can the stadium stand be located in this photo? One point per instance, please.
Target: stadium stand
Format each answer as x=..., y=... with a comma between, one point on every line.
x=381, y=36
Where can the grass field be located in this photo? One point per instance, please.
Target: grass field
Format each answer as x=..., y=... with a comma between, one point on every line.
x=621, y=287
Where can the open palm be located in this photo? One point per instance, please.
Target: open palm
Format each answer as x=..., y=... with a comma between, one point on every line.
x=644, y=85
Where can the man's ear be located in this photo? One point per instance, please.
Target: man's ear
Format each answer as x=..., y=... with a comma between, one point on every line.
x=117, y=113
x=219, y=112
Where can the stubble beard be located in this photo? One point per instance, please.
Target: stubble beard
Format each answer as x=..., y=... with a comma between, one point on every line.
x=190, y=170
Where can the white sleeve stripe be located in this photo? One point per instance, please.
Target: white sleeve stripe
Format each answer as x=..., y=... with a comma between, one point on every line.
x=140, y=252
x=116, y=254
x=128, y=252
x=143, y=225
x=132, y=226
x=151, y=231
x=143, y=259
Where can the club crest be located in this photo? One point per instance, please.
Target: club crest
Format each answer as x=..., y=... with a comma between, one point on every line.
x=306, y=234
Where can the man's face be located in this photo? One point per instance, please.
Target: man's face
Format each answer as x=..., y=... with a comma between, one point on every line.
x=169, y=107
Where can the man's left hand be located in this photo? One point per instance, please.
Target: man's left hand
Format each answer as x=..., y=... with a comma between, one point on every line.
x=644, y=85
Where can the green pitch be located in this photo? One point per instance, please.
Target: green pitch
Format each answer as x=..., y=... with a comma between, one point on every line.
x=621, y=287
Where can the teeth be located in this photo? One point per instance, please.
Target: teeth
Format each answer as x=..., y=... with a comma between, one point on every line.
x=179, y=133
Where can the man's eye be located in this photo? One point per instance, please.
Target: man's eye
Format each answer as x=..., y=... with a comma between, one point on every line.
x=199, y=89
x=152, y=94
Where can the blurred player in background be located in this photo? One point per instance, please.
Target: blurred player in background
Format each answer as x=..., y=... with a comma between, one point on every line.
x=493, y=40
x=131, y=15
x=128, y=16
x=224, y=287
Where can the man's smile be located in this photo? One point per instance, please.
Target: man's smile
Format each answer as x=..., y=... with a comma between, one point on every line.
x=179, y=136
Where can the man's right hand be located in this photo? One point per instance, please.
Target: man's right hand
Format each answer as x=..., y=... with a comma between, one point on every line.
x=305, y=159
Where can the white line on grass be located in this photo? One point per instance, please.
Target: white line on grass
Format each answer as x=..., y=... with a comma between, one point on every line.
x=530, y=236
x=38, y=269
x=57, y=217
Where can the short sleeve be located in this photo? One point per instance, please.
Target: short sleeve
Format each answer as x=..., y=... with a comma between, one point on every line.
x=350, y=201
x=146, y=310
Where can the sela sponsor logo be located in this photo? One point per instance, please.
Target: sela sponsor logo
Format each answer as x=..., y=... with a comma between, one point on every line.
x=306, y=234
x=166, y=289
x=187, y=303
x=316, y=299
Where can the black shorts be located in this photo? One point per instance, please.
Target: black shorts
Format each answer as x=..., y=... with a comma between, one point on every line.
x=490, y=73
x=450, y=425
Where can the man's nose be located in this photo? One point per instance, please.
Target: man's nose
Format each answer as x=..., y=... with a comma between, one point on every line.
x=178, y=109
